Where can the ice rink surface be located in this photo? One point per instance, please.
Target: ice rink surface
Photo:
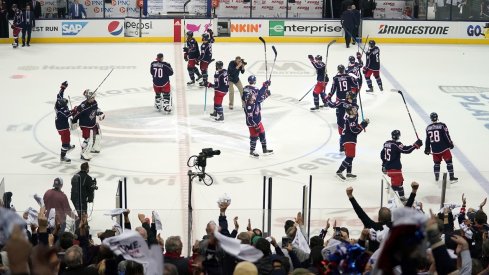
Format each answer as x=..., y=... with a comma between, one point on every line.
x=151, y=149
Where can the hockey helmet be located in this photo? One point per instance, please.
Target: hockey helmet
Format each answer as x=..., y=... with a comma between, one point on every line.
x=371, y=43
x=341, y=69
x=350, y=95
x=159, y=56
x=351, y=59
x=351, y=110
x=395, y=134
x=252, y=79
x=190, y=34
x=318, y=58
x=219, y=65
x=205, y=37
x=62, y=102
x=89, y=94
x=434, y=117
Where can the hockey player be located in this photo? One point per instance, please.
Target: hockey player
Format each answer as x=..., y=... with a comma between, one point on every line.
x=372, y=66
x=253, y=100
x=191, y=54
x=87, y=113
x=350, y=133
x=16, y=25
x=353, y=69
x=322, y=81
x=62, y=123
x=221, y=86
x=205, y=57
x=342, y=84
x=161, y=72
x=439, y=143
x=391, y=160
x=341, y=106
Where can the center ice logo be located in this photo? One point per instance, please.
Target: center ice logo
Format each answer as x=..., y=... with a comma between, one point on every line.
x=72, y=28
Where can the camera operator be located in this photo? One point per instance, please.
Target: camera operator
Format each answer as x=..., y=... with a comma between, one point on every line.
x=235, y=67
x=82, y=189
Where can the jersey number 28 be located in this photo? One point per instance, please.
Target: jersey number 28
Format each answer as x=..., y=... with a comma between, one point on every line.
x=434, y=136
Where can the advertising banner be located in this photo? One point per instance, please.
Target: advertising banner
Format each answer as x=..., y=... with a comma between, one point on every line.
x=248, y=28
x=270, y=9
x=148, y=27
x=78, y=28
x=199, y=26
x=392, y=9
x=49, y=8
x=330, y=28
x=194, y=7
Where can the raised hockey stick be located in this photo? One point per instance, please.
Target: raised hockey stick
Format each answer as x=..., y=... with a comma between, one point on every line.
x=102, y=82
x=361, y=106
x=184, y=13
x=365, y=45
x=307, y=92
x=274, y=59
x=405, y=104
x=327, y=53
x=265, y=47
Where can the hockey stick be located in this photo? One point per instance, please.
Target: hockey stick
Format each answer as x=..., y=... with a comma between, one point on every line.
x=77, y=134
x=93, y=95
x=184, y=13
x=365, y=45
x=405, y=104
x=307, y=92
x=361, y=106
x=327, y=53
x=265, y=47
x=273, y=65
x=205, y=99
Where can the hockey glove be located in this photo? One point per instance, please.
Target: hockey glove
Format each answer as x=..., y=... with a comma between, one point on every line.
x=64, y=85
x=451, y=146
x=427, y=151
x=384, y=170
x=210, y=85
x=359, y=56
x=73, y=125
x=418, y=143
x=310, y=57
x=185, y=49
x=267, y=83
x=365, y=123
x=268, y=93
x=326, y=78
x=185, y=57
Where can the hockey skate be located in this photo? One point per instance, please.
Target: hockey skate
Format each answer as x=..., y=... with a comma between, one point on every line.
x=96, y=145
x=267, y=152
x=315, y=108
x=254, y=154
x=86, y=148
x=213, y=114
x=453, y=180
x=381, y=89
x=15, y=45
x=350, y=176
x=219, y=118
x=65, y=159
x=158, y=105
x=199, y=77
x=203, y=83
x=191, y=82
x=370, y=90
x=340, y=176
x=85, y=156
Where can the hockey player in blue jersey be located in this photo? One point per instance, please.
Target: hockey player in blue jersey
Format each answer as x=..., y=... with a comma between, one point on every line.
x=205, y=57
x=322, y=81
x=254, y=98
x=372, y=66
x=221, y=86
x=350, y=133
x=63, y=113
x=191, y=55
x=354, y=69
x=439, y=144
x=391, y=160
x=342, y=84
x=16, y=25
x=161, y=72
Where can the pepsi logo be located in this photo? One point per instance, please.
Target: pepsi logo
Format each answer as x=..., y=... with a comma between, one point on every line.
x=115, y=28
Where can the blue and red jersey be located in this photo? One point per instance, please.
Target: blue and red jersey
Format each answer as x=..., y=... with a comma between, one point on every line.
x=253, y=100
x=221, y=83
x=437, y=138
x=391, y=154
x=62, y=112
x=373, y=59
x=205, y=52
x=320, y=69
x=86, y=113
x=343, y=83
x=192, y=49
x=161, y=72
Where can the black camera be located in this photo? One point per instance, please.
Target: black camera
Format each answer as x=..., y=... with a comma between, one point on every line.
x=209, y=152
x=244, y=62
x=285, y=242
x=91, y=190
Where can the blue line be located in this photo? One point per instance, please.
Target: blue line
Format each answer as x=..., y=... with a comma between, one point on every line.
x=469, y=166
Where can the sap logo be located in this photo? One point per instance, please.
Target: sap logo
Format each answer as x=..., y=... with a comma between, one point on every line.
x=115, y=28
x=72, y=28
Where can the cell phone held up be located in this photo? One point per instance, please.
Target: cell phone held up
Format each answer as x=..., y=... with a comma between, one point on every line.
x=285, y=242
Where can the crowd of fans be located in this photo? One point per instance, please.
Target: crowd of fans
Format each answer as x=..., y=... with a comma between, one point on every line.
x=403, y=240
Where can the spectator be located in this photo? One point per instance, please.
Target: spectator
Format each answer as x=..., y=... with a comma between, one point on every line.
x=133, y=268
x=28, y=23
x=74, y=262
x=235, y=67
x=36, y=8
x=61, y=8
x=4, y=29
x=77, y=11
x=440, y=10
x=173, y=255
x=357, y=19
x=55, y=198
